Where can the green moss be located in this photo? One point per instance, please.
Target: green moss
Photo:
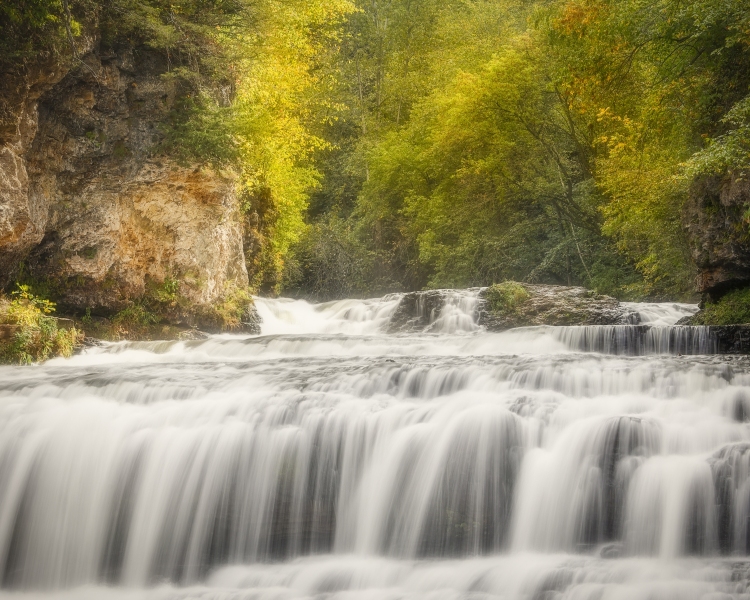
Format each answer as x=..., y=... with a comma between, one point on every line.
x=89, y=252
x=166, y=293
x=120, y=150
x=507, y=297
x=732, y=309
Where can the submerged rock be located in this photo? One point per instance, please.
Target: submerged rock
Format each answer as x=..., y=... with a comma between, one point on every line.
x=511, y=304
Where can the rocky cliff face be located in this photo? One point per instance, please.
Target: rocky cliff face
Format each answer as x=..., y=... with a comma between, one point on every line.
x=88, y=207
x=717, y=219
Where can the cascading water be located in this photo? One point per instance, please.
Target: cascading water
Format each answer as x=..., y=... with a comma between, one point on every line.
x=328, y=458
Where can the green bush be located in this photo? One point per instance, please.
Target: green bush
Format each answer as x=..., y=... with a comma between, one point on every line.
x=732, y=309
x=135, y=315
x=507, y=297
x=37, y=336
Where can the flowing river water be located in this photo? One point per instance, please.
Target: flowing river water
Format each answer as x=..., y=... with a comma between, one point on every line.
x=329, y=459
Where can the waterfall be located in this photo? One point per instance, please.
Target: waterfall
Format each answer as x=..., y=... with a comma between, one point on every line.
x=382, y=448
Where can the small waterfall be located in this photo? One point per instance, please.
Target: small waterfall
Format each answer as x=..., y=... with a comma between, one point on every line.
x=659, y=313
x=382, y=447
x=573, y=496
x=286, y=316
x=637, y=340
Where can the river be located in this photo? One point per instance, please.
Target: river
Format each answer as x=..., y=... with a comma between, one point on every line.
x=329, y=459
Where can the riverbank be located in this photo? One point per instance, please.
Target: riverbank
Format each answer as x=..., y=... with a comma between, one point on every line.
x=31, y=329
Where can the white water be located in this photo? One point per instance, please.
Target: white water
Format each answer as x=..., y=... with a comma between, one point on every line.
x=328, y=459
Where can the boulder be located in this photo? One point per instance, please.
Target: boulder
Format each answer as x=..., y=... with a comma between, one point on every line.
x=64, y=323
x=417, y=310
x=511, y=304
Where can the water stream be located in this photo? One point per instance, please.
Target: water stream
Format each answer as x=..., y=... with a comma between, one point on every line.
x=329, y=459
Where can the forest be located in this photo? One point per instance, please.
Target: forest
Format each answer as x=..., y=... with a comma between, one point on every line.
x=386, y=145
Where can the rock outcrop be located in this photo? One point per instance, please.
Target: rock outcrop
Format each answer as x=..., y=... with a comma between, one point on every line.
x=21, y=219
x=718, y=225
x=731, y=339
x=90, y=209
x=417, y=310
x=512, y=304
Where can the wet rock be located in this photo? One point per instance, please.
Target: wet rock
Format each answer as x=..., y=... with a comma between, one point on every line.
x=251, y=320
x=549, y=305
x=417, y=310
x=731, y=339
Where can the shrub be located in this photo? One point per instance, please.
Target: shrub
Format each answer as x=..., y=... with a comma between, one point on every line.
x=233, y=308
x=732, y=309
x=507, y=297
x=37, y=337
x=135, y=315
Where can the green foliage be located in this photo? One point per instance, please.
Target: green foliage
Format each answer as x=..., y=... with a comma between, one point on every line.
x=507, y=297
x=37, y=28
x=329, y=262
x=280, y=104
x=545, y=142
x=232, y=308
x=428, y=143
x=198, y=129
x=649, y=82
x=729, y=151
x=192, y=34
x=731, y=309
x=37, y=336
x=136, y=315
x=167, y=292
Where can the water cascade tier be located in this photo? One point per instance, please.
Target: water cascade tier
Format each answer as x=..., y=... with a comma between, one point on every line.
x=379, y=449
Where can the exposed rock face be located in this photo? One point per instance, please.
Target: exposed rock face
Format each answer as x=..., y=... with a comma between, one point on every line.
x=731, y=339
x=21, y=220
x=553, y=305
x=416, y=310
x=88, y=208
x=716, y=218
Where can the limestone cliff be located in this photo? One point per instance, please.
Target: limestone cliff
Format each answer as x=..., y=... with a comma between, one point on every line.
x=718, y=225
x=88, y=205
